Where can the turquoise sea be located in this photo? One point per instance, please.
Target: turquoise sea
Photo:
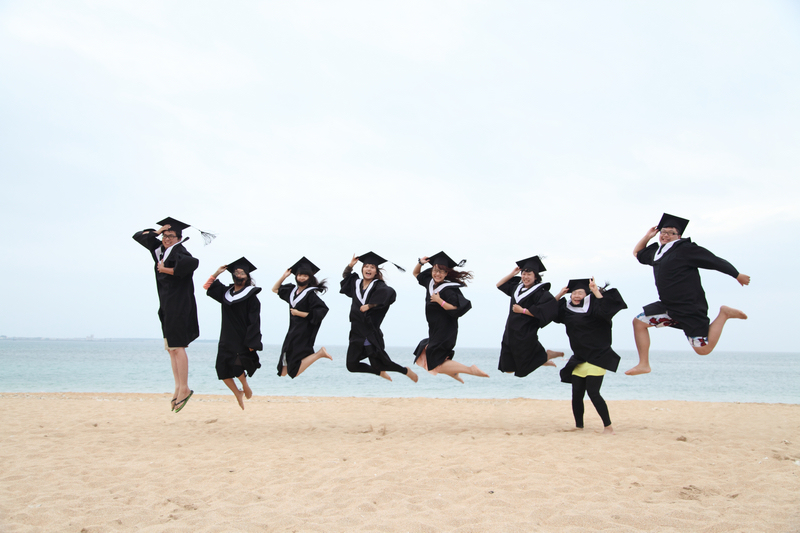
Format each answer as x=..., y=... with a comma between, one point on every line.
x=142, y=365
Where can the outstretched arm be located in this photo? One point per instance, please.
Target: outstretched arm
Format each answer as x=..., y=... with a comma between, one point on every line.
x=418, y=266
x=743, y=279
x=509, y=276
x=281, y=280
x=349, y=268
x=642, y=244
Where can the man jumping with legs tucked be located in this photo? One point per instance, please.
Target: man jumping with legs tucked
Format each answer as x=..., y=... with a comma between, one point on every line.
x=682, y=302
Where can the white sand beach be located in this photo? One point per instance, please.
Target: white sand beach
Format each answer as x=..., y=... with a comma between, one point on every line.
x=123, y=462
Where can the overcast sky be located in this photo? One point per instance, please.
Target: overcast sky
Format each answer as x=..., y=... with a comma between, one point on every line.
x=491, y=130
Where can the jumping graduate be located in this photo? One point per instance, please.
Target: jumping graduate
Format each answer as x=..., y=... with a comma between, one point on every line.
x=306, y=311
x=682, y=301
x=240, y=335
x=587, y=315
x=177, y=311
x=444, y=304
x=532, y=307
x=371, y=298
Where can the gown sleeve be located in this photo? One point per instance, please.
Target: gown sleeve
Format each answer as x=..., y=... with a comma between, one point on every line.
x=609, y=305
x=545, y=308
x=510, y=286
x=562, y=311
x=316, y=309
x=284, y=291
x=702, y=258
x=217, y=291
x=348, y=284
x=424, y=277
x=185, y=264
x=148, y=240
x=453, y=296
x=383, y=297
x=252, y=337
x=647, y=256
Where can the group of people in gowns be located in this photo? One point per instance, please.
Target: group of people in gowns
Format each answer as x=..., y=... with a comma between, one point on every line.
x=585, y=309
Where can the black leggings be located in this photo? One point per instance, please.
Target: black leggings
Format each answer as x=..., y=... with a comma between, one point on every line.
x=590, y=384
x=379, y=361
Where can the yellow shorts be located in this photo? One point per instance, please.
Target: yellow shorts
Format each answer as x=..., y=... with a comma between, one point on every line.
x=588, y=369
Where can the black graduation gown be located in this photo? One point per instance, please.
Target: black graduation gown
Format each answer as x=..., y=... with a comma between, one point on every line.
x=299, y=341
x=240, y=331
x=177, y=307
x=590, y=332
x=521, y=352
x=442, y=324
x=678, y=282
x=367, y=326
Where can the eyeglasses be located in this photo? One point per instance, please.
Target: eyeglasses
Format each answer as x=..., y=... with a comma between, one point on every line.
x=665, y=232
x=168, y=236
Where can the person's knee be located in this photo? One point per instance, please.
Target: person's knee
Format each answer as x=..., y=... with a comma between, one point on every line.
x=352, y=365
x=705, y=350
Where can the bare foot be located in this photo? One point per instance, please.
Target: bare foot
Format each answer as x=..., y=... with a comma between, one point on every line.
x=638, y=369
x=732, y=313
x=239, y=398
x=325, y=353
x=574, y=429
x=412, y=375
x=608, y=430
x=478, y=372
x=456, y=377
x=549, y=363
x=248, y=392
x=173, y=403
x=552, y=355
x=384, y=375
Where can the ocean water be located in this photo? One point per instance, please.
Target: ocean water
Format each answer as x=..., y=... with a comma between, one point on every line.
x=125, y=365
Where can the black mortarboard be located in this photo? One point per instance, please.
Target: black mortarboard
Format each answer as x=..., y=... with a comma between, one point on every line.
x=242, y=263
x=579, y=284
x=671, y=221
x=371, y=258
x=443, y=259
x=177, y=225
x=531, y=264
x=304, y=264
x=174, y=224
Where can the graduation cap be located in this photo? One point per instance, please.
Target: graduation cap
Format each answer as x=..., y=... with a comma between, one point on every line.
x=242, y=263
x=304, y=264
x=371, y=258
x=575, y=284
x=443, y=259
x=531, y=264
x=671, y=221
x=177, y=225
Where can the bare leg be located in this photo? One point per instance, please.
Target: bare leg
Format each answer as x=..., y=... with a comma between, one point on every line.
x=174, y=365
x=412, y=375
x=235, y=390
x=284, y=371
x=608, y=430
x=715, y=329
x=311, y=359
x=385, y=375
x=454, y=368
x=642, y=338
x=180, y=370
x=248, y=392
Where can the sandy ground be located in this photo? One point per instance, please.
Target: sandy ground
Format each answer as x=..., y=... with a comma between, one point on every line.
x=124, y=462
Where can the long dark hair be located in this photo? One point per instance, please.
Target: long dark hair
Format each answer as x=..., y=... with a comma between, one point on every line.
x=458, y=276
x=312, y=280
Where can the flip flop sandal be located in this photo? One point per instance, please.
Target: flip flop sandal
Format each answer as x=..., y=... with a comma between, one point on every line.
x=181, y=404
x=173, y=403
